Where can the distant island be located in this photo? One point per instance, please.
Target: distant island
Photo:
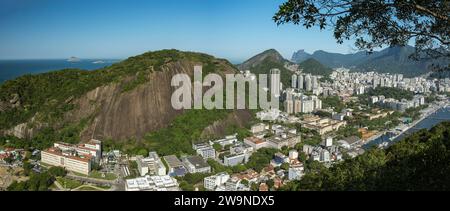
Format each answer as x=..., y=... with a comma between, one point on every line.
x=73, y=59
x=98, y=62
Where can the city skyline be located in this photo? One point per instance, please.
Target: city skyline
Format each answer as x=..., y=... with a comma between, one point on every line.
x=235, y=30
x=224, y=96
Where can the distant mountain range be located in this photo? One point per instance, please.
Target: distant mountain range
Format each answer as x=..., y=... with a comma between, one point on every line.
x=390, y=60
x=270, y=59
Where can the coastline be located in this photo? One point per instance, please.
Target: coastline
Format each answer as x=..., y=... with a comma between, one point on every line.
x=404, y=130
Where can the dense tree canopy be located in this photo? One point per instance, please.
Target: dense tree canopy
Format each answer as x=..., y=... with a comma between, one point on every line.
x=377, y=23
x=37, y=181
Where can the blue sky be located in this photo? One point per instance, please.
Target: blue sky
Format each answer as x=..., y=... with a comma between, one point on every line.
x=231, y=29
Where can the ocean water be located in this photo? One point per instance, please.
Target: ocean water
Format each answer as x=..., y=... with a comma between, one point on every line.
x=10, y=69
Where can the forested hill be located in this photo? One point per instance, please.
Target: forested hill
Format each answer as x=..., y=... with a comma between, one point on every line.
x=123, y=102
x=418, y=163
x=315, y=67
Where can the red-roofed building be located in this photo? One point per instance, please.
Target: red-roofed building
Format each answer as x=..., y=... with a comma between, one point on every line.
x=263, y=187
x=76, y=158
x=255, y=142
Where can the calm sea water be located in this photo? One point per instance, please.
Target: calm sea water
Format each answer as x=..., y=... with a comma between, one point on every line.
x=10, y=69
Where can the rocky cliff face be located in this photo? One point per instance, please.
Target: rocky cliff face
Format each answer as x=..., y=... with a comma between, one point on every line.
x=300, y=56
x=131, y=114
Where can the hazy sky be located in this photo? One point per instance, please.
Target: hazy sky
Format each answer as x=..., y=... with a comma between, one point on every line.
x=232, y=29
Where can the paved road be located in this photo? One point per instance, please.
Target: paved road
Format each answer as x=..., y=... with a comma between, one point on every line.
x=92, y=180
x=60, y=187
x=116, y=185
x=91, y=186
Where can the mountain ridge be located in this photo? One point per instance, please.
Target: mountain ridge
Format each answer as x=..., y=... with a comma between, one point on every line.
x=389, y=60
x=263, y=62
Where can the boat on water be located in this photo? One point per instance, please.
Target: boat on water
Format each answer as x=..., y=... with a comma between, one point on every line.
x=383, y=145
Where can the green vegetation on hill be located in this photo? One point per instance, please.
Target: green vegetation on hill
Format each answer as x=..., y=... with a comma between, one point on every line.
x=50, y=95
x=140, y=66
x=177, y=138
x=388, y=122
x=390, y=92
x=419, y=162
x=38, y=181
x=69, y=133
x=261, y=158
x=315, y=67
x=333, y=102
x=190, y=181
x=184, y=130
x=68, y=183
x=347, y=131
x=267, y=64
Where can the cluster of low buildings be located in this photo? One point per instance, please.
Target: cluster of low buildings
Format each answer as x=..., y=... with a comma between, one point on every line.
x=325, y=152
x=328, y=151
x=243, y=180
x=296, y=169
x=322, y=125
x=342, y=115
x=399, y=105
x=268, y=115
x=153, y=168
x=151, y=165
x=187, y=164
x=217, y=182
x=345, y=81
x=12, y=153
x=158, y=174
x=280, y=137
x=238, y=152
x=152, y=183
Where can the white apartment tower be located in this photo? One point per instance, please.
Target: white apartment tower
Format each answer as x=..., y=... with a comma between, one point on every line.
x=301, y=81
x=308, y=83
x=294, y=81
x=275, y=82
